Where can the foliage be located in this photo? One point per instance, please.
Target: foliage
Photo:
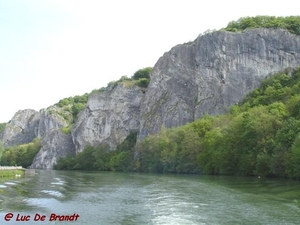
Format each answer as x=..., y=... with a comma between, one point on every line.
x=100, y=158
x=291, y=23
x=66, y=130
x=260, y=136
x=11, y=173
x=2, y=126
x=73, y=105
x=142, y=73
x=142, y=82
x=21, y=155
x=1, y=149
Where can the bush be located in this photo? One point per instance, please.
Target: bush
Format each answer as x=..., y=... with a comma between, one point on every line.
x=142, y=82
x=142, y=73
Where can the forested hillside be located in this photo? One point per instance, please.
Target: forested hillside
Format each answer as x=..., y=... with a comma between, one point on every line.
x=259, y=136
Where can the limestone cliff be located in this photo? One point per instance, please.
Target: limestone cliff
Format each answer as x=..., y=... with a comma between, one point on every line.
x=212, y=73
x=109, y=117
x=207, y=75
x=29, y=124
x=55, y=144
x=21, y=129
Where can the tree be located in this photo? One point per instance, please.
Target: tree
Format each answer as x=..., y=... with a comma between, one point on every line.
x=142, y=73
x=142, y=82
x=293, y=163
x=190, y=147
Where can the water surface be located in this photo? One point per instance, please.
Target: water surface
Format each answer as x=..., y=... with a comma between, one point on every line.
x=132, y=198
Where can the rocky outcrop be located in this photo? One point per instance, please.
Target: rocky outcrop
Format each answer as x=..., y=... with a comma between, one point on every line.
x=21, y=129
x=212, y=73
x=55, y=144
x=29, y=124
x=50, y=119
x=109, y=116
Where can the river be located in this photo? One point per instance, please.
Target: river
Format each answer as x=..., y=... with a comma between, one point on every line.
x=133, y=198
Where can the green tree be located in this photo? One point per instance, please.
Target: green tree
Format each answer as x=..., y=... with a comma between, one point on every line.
x=187, y=162
x=142, y=82
x=142, y=73
x=293, y=163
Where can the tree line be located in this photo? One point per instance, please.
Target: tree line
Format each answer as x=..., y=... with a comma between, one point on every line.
x=290, y=23
x=101, y=158
x=21, y=155
x=260, y=136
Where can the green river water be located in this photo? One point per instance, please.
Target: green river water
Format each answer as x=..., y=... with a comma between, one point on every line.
x=133, y=198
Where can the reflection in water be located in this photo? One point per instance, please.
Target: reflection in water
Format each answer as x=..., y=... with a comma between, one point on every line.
x=132, y=198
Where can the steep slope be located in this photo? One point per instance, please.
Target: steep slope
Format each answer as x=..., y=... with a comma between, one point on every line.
x=55, y=144
x=109, y=116
x=29, y=124
x=212, y=73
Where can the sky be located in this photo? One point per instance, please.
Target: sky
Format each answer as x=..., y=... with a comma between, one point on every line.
x=53, y=49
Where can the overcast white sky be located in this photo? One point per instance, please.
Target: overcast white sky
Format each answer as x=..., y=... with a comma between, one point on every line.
x=52, y=49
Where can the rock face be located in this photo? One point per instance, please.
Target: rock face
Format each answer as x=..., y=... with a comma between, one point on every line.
x=212, y=73
x=49, y=121
x=205, y=76
x=21, y=129
x=109, y=117
x=55, y=144
x=29, y=124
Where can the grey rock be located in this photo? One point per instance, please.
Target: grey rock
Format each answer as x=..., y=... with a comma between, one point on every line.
x=29, y=124
x=22, y=128
x=212, y=73
x=109, y=117
x=50, y=121
x=55, y=144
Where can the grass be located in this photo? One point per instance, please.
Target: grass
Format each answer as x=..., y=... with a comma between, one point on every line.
x=11, y=173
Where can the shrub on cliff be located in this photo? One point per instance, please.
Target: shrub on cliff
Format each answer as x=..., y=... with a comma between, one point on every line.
x=291, y=23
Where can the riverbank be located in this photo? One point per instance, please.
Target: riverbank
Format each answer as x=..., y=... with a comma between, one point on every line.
x=11, y=171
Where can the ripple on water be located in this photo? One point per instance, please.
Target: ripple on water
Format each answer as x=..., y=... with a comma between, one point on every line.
x=58, y=182
x=10, y=183
x=53, y=193
x=3, y=186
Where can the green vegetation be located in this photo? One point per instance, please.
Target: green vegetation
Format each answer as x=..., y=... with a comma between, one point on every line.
x=66, y=130
x=72, y=106
x=100, y=158
x=259, y=136
x=140, y=78
x=2, y=126
x=21, y=155
x=291, y=23
x=11, y=173
x=142, y=73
